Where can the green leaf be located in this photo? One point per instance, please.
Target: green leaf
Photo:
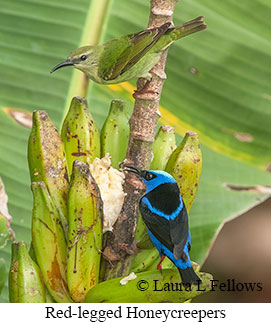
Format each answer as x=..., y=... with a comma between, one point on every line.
x=5, y=219
x=3, y=273
x=4, y=232
x=217, y=85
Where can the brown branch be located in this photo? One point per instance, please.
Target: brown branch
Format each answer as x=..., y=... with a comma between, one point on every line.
x=142, y=130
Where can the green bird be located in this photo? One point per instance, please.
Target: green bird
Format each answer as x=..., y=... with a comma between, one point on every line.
x=128, y=57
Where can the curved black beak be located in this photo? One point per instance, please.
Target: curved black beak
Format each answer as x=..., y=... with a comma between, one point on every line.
x=63, y=64
x=133, y=169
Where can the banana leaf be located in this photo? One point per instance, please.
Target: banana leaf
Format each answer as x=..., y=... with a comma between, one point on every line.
x=3, y=273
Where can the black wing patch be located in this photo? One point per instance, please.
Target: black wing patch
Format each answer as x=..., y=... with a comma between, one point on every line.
x=171, y=233
x=179, y=233
x=157, y=225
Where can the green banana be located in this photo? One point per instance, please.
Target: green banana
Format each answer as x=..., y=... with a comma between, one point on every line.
x=147, y=287
x=80, y=134
x=49, y=243
x=13, y=277
x=85, y=232
x=163, y=146
x=31, y=252
x=185, y=165
x=142, y=238
x=25, y=281
x=146, y=256
x=144, y=259
x=48, y=297
x=115, y=133
x=47, y=163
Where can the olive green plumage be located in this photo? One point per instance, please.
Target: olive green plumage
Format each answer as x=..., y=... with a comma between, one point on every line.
x=128, y=57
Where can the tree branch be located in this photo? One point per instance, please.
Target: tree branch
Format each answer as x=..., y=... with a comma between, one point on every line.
x=139, y=153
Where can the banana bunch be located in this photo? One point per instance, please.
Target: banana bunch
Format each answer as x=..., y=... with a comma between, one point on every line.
x=184, y=163
x=68, y=218
x=25, y=280
x=115, y=133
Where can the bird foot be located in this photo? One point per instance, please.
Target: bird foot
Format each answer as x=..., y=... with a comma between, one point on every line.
x=159, y=267
x=144, y=90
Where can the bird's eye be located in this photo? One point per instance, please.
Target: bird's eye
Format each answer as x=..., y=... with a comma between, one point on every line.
x=149, y=176
x=83, y=57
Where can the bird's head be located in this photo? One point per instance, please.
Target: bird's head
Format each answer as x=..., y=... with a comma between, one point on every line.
x=151, y=178
x=81, y=58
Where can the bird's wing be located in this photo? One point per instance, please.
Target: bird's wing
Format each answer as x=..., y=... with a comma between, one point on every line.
x=179, y=233
x=121, y=54
x=158, y=225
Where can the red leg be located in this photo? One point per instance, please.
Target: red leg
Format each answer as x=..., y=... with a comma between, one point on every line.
x=160, y=262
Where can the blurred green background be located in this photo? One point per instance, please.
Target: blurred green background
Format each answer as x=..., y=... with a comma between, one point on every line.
x=218, y=84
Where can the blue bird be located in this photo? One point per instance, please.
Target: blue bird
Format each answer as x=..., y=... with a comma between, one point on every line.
x=164, y=213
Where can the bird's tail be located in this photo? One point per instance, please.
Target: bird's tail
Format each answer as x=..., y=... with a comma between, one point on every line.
x=189, y=276
x=187, y=28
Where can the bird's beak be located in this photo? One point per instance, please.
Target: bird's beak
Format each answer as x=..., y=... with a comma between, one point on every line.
x=67, y=62
x=132, y=169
